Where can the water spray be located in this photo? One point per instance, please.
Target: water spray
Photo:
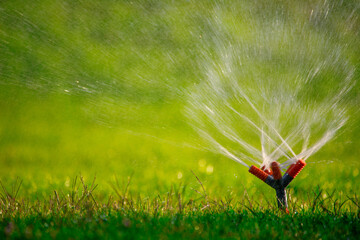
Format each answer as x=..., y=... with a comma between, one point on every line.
x=274, y=179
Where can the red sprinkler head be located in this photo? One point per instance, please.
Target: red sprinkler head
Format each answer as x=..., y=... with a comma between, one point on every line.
x=258, y=173
x=275, y=166
x=293, y=171
x=295, y=168
x=278, y=182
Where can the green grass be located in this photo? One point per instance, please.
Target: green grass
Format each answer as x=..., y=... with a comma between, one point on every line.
x=79, y=214
x=228, y=224
x=98, y=89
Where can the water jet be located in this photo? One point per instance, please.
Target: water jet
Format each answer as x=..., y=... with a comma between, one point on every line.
x=265, y=98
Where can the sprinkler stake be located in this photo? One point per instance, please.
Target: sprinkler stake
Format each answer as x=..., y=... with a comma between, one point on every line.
x=278, y=182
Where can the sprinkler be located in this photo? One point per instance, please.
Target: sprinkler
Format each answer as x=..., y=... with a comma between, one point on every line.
x=273, y=178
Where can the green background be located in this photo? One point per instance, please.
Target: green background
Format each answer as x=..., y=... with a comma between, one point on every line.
x=98, y=88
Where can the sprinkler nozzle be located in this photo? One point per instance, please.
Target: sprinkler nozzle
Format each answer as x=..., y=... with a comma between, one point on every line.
x=292, y=172
x=275, y=166
x=295, y=168
x=258, y=173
